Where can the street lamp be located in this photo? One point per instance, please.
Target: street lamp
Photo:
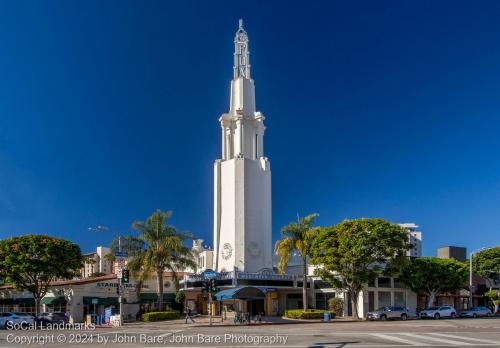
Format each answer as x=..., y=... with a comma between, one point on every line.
x=100, y=228
x=471, y=304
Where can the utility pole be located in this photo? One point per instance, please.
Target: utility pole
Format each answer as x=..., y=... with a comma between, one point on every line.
x=471, y=304
x=120, y=289
x=210, y=300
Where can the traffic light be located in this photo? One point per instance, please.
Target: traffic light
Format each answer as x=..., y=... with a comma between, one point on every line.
x=125, y=276
x=210, y=286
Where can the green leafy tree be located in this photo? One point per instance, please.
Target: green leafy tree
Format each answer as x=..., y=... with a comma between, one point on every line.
x=336, y=305
x=493, y=296
x=163, y=250
x=433, y=276
x=486, y=263
x=297, y=236
x=32, y=262
x=353, y=253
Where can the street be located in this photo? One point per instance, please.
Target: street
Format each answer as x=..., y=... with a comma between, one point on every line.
x=415, y=333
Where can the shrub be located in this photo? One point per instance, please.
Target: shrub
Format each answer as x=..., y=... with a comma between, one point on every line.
x=492, y=294
x=309, y=314
x=337, y=305
x=158, y=316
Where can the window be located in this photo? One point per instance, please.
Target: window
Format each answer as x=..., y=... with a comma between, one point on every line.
x=384, y=298
x=371, y=301
x=398, y=283
x=256, y=146
x=322, y=299
x=399, y=298
x=384, y=282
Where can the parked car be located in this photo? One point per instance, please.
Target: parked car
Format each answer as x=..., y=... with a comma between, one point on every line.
x=384, y=313
x=51, y=318
x=8, y=319
x=438, y=312
x=475, y=312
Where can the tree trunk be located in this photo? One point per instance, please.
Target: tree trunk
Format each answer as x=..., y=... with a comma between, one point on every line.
x=431, y=299
x=354, y=303
x=37, y=305
x=159, y=287
x=304, y=285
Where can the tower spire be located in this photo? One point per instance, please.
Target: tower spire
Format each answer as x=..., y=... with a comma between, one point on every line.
x=241, y=53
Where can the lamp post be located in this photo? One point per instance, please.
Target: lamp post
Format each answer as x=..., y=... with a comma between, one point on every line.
x=100, y=228
x=471, y=303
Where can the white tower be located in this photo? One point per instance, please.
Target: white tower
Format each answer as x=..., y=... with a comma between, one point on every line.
x=242, y=178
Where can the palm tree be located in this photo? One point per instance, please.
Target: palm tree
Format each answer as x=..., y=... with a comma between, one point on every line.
x=297, y=236
x=163, y=249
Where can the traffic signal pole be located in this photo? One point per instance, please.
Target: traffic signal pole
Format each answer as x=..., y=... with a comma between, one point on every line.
x=210, y=301
x=120, y=289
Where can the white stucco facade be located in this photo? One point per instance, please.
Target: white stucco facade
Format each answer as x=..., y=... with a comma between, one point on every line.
x=242, y=177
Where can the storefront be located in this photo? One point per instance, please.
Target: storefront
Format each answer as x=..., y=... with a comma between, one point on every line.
x=80, y=297
x=263, y=292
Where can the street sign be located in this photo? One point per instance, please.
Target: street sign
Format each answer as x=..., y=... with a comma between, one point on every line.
x=95, y=301
x=121, y=254
x=209, y=274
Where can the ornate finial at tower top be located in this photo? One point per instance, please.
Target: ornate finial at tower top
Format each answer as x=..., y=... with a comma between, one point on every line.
x=241, y=54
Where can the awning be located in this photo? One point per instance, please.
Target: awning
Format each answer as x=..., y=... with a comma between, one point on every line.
x=150, y=297
x=241, y=293
x=53, y=301
x=105, y=301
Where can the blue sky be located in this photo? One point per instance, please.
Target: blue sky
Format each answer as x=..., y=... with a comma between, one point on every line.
x=108, y=111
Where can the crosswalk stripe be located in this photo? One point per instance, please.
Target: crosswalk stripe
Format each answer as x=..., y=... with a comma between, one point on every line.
x=466, y=338
x=170, y=333
x=399, y=339
x=441, y=340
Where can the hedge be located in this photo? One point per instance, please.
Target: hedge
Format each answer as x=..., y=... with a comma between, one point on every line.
x=158, y=316
x=310, y=314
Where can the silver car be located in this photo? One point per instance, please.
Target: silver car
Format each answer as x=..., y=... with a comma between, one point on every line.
x=438, y=312
x=9, y=320
x=391, y=312
x=475, y=312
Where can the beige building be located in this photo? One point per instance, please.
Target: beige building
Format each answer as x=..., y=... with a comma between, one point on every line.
x=80, y=297
x=96, y=262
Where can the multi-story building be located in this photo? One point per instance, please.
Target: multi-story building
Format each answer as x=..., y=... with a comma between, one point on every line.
x=452, y=252
x=203, y=255
x=415, y=239
x=96, y=263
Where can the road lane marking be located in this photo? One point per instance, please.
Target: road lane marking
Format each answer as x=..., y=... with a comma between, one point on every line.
x=399, y=339
x=169, y=333
x=466, y=338
x=440, y=340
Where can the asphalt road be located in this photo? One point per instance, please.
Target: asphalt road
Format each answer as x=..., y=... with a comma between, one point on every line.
x=415, y=333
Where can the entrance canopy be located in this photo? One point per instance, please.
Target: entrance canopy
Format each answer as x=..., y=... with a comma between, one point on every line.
x=60, y=300
x=241, y=293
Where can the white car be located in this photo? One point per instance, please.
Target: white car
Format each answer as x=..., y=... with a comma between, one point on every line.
x=438, y=312
x=15, y=319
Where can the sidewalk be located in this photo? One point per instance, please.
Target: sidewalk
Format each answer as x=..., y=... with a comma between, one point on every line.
x=204, y=321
